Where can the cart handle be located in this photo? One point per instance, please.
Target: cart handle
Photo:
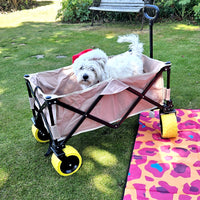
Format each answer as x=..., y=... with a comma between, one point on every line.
x=154, y=7
x=151, y=21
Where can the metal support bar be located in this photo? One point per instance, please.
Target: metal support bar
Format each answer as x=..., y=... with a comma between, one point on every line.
x=89, y=116
x=142, y=96
x=49, y=105
x=83, y=118
x=151, y=37
x=168, y=75
x=168, y=107
x=29, y=92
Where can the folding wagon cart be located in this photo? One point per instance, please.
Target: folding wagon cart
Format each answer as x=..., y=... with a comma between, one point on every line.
x=61, y=109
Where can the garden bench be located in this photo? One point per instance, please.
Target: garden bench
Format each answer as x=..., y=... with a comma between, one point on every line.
x=129, y=6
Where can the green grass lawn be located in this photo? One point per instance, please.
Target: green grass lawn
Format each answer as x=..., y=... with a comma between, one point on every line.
x=24, y=171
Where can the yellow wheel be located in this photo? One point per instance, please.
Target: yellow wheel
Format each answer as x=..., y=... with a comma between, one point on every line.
x=72, y=163
x=39, y=135
x=168, y=125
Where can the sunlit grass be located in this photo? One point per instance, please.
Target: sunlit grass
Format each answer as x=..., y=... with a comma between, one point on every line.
x=40, y=14
x=101, y=156
x=187, y=27
x=110, y=36
x=104, y=183
x=2, y=90
x=3, y=177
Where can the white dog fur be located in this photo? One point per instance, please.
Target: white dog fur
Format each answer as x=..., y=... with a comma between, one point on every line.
x=95, y=66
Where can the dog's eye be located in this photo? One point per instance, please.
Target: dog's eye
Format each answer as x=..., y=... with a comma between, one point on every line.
x=92, y=69
x=81, y=68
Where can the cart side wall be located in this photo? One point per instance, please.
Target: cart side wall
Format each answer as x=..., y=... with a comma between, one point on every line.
x=63, y=84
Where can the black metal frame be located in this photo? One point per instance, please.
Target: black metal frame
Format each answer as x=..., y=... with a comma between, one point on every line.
x=57, y=146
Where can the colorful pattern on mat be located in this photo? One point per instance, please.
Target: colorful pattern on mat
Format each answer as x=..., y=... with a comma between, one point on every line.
x=165, y=169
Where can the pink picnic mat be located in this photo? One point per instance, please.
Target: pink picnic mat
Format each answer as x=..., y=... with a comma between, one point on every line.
x=165, y=169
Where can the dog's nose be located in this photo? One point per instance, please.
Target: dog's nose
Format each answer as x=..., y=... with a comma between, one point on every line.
x=85, y=77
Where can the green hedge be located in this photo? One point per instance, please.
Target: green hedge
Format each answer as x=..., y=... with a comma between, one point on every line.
x=74, y=11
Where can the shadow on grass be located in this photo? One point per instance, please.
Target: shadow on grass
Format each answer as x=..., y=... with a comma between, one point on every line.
x=43, y=3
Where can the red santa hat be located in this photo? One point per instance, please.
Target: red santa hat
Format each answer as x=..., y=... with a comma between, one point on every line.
x=74, y=57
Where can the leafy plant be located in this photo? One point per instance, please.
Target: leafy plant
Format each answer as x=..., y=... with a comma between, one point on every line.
x=197, y=12
x=179, y=9
x=74, y=11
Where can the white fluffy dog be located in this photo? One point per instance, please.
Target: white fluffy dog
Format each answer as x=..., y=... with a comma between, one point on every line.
x=95, y=66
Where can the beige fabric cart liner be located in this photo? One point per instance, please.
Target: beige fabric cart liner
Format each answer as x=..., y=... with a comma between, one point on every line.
x=61, y=83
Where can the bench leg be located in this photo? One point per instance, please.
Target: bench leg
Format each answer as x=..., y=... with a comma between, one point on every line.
x=92, y=18
x=142, y=23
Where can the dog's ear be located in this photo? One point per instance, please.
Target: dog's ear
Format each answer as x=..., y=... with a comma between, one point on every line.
x=101, y=61
x=98, y=56
x=101, y=76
